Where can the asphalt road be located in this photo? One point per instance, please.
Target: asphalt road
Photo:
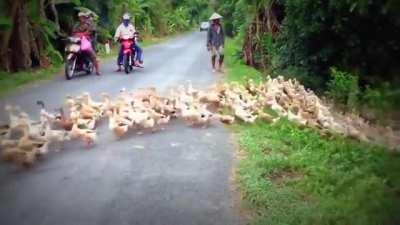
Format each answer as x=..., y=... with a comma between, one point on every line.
x=177, y=176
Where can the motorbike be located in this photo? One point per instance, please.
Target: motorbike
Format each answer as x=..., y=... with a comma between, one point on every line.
x=128, y=54
x=76, y=56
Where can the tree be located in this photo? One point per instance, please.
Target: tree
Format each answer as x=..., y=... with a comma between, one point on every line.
x=309, y=37
x=30, y=29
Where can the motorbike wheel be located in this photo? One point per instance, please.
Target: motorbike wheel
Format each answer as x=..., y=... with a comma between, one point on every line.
x=89, y=67
x=126, y=63
x=70, y=68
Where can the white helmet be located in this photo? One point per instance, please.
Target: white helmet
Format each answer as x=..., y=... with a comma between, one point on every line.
x=83, y=14
x=126, y=16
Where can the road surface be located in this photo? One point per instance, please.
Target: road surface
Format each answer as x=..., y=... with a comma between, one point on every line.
x=177, y=176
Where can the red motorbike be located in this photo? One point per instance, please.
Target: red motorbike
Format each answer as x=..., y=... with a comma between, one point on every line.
x=77, y=57
x=128, y=54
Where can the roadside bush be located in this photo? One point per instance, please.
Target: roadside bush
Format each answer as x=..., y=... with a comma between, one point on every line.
x=359, y=36
x=271, y=50
x=318, y=35
x=103, y=35
x=55, y=56
x=377, y=97
x=380, y=101
x=302, y=75
x=178, y=20
x=343, y=88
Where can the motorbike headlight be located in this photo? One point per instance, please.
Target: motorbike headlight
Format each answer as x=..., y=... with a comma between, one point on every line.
x=74, y=39
x=74, y=48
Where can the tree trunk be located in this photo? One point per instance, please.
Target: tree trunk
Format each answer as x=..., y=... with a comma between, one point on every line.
x=20, y=45
x=6, y=37
x=40, y=39
x=55, y=14
x=42, y=8
x=272, y=21
x=265, y=21
x=25, y=45
x=248, y=47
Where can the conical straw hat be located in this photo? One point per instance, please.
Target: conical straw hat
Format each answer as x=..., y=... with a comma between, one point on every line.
x=215, y=16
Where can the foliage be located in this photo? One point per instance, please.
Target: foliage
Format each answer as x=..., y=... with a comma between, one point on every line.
x=359, y=36
x=103, y=35
x=383, y=97
x=381, y=103
x=316, y=83
x=317, y=36
x=293, y=175
x=344, y=88
x=54, y=55
x=55, y=20
x=237, y=15
x=5, y=23
x=237, y=70
x=10, y=82
x=178, y=20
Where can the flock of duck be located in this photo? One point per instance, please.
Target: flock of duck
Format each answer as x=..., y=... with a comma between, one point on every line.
x=24, y=140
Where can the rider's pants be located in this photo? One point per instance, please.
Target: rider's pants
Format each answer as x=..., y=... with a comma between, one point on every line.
x=138, y=54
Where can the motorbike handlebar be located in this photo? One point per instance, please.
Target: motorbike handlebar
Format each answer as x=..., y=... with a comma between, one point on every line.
x=120, y=40
x=71, y=39
x=81, y=34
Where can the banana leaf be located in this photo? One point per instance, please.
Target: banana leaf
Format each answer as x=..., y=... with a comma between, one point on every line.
x=5, y=23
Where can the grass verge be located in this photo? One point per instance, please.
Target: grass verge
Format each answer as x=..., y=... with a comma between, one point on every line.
x=238, y=71
x=292, y=175
x=12, y=81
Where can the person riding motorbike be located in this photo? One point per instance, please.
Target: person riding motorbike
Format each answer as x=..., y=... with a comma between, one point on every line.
x=85, y=27
x=93, y=26
x=126, y=30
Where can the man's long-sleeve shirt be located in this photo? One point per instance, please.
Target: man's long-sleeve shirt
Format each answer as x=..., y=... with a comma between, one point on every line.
x=215, y=36
x=125, y=32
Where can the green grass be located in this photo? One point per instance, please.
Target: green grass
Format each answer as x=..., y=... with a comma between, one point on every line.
x=237, y=70
x=293, y=175
x=10, y=82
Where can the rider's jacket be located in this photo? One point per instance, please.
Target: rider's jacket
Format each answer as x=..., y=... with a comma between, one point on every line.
x=125, y=32
x=82, y=27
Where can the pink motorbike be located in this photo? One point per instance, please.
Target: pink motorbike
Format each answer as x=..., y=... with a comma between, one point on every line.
x=77, y=55
x=128, y=54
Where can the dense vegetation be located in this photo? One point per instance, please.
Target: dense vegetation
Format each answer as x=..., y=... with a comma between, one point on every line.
x=316, y=41
x=347, y=51
x=293, y=175
x=358, y=36
x=30, y=30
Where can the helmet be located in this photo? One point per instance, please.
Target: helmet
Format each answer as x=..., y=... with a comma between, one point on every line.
x=83, y=14
x=126, y=16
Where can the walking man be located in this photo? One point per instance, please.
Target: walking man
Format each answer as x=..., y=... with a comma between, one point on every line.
x=216, y=41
